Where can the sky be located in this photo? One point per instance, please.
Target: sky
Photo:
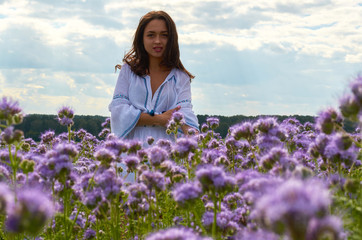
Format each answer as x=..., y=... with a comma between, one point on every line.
x=265, y=57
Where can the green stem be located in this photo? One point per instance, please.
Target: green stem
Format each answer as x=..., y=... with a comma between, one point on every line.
x=215, y=214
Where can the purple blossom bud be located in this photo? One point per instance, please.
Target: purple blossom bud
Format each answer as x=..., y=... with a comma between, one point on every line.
x=105, y=156
x=181, y=233
x=184, y=146
x=89, y=234
x=356, y=87
x=247, y=234
x=157, y=155
x=132, y=162
x=8, y=108
x=293, y=204
x=150, y=140
x=30, y=213
x=349, y=107
x=106, y=123
x=212, y=122
x=327, y=226
x=264, y=125
x=214, y=178
x=328, y=120
x=153, y=180
x=47, y=137
x=187, y=192
x=10, y=136
x=104, y=133
x=244, y=130
x=178, y=117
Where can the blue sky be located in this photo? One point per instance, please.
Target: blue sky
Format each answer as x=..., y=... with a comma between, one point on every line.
x=249, y=57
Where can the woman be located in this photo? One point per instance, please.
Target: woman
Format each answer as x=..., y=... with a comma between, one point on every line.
x=152, y=83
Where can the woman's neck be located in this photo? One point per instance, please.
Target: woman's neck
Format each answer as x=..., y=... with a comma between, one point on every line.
x=155, y=66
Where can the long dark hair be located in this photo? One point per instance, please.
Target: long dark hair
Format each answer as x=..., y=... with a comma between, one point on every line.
x=137, y=57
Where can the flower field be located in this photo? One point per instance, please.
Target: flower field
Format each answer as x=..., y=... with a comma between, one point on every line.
x=265, y=180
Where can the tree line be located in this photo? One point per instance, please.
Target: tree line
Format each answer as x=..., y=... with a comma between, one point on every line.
x=34, y=125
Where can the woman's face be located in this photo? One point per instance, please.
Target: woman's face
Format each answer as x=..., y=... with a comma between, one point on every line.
x=155, y=38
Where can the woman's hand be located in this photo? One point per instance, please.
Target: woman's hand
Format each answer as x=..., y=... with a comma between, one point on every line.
x=165, y=117
x=159, y=120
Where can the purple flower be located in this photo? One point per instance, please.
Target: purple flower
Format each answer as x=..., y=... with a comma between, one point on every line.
x=131, y=162
x=8, y=109
x=264, y=125
x=165, y=144
x=117, y=146
x=157, y=155
x=214, y=178
x=89, y=234
x=275, y=155
x=9, y=135
x=180, y=233
x=247, y=234
x=293, y=204
x=30, y=213
x=349, y=106
x=152, y=180
x=106, y=123
x=109, y=182
x=184, y=146
x=178, y=117
x=134, y=146
x=187, y=192
x=356, y=88
x=104, y=133
x=65, y=116
x=328, y=120
x=212, y=122
x=327, y=226
x=105, y=156
x=244, y=130
x=47, y=137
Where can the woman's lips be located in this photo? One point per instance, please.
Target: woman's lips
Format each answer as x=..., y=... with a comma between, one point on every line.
x=157, y=49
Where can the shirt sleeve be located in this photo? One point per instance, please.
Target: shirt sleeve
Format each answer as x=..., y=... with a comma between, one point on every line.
x=124, y=115
x=184, y=100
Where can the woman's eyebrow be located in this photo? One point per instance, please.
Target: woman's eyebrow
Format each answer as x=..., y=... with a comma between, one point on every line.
x=155, y=31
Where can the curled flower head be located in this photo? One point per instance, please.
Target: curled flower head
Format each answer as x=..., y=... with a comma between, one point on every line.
x=264, y=125
x=157, y=155
x=132, y=162
x=356, y=88
x=212, y=122
x=47, y=137
x=244, y=130
x=176, y=233
x=327, y=226
x=184, y=146
x=187, y=192
x=105, y=156
x=153, y=180
x=214, y=178
x=292, y=205
x=65, y=116
x=10, y=111
x=178, y=117
x=10, y=136
x=349, y=107
x=328, y=120
x=30, y=213
x=106, y=123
